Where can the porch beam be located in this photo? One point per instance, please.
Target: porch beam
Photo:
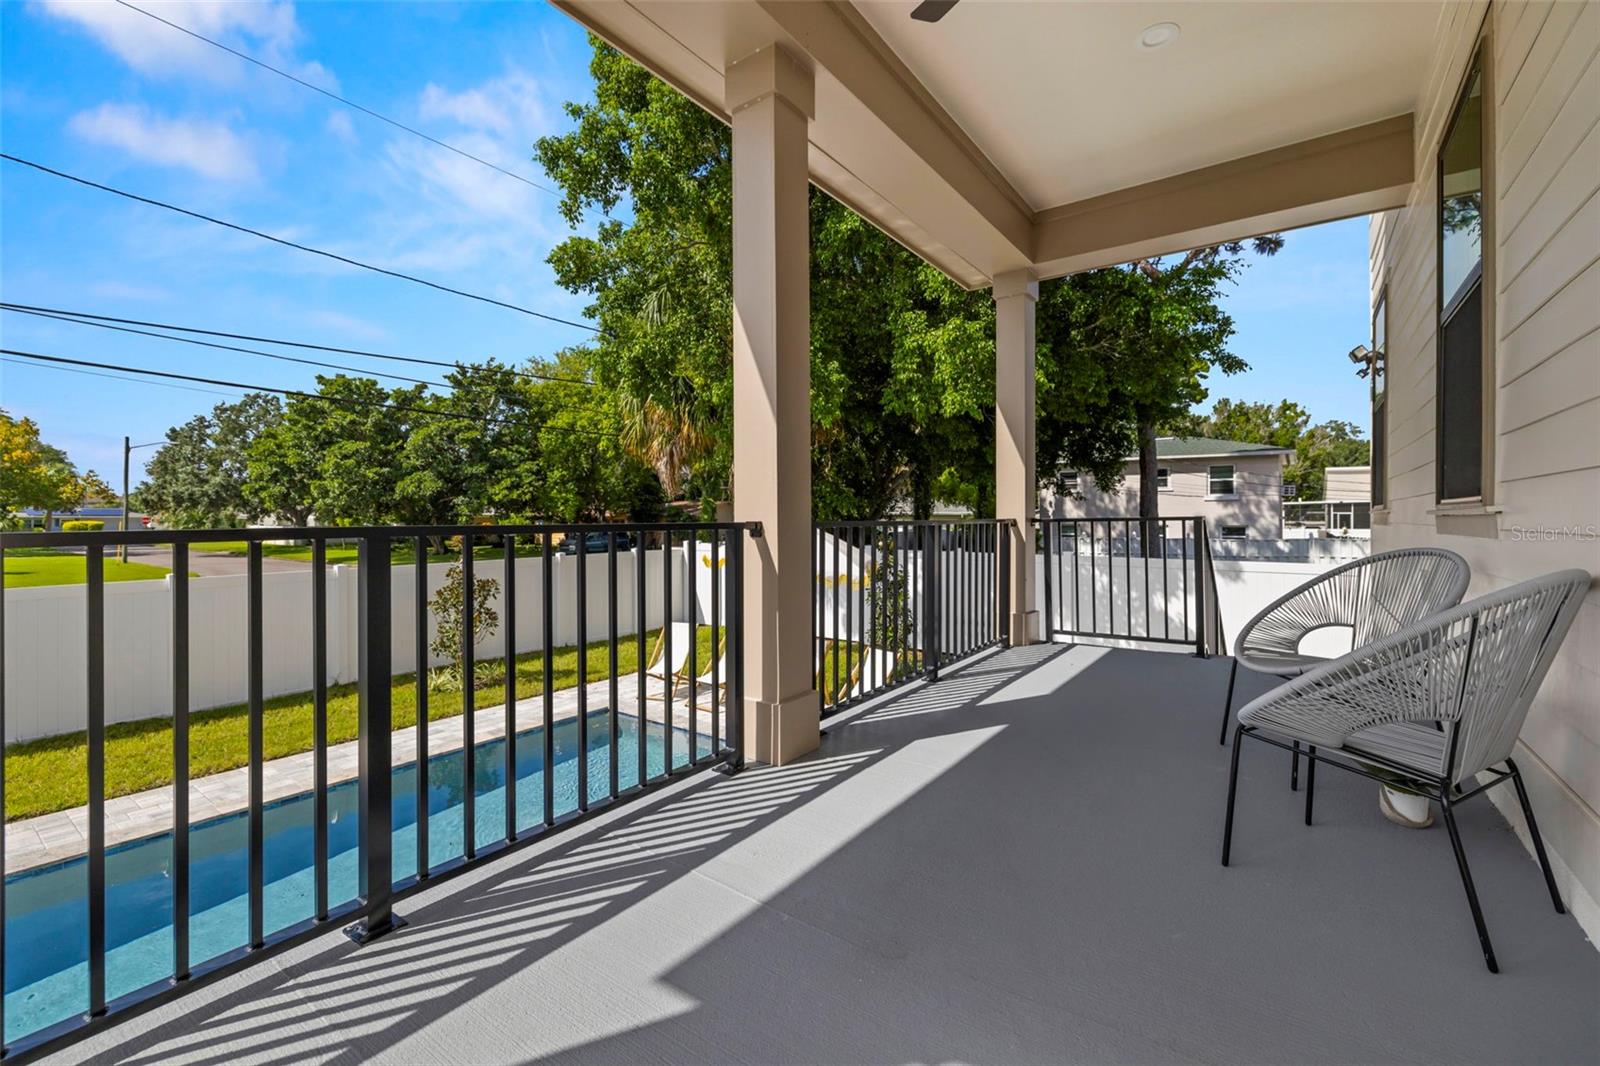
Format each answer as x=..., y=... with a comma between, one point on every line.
x=769, y=95
x=1353, y=172
x=1015, y=294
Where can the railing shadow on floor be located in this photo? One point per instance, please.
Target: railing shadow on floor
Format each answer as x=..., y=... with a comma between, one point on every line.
x=492, y=926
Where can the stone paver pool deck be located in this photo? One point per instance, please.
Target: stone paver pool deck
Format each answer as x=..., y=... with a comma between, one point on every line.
x=62, y=835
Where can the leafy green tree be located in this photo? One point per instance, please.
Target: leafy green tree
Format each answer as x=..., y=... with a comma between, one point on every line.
x=24, y=477
x=1136, y=343
x=1279, y=424
x=1285, y=425
x=34, y=473
x=1333, y=443
x=471, y=455
x=902, y=359
x=197, y=478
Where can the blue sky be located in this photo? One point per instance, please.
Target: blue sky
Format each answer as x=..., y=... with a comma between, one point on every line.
x=104, y=92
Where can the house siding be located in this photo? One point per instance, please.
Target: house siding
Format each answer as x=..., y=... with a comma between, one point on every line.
x=1543, y=264
x=1258, y=486
x=1349, y=484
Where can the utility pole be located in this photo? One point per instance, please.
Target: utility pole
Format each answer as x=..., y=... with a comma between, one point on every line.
x=128, y=448
x=127, y=451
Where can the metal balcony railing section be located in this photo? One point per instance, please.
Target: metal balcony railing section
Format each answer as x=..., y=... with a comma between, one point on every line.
x=627, y=583
x=1144, y=581
x=896, y=600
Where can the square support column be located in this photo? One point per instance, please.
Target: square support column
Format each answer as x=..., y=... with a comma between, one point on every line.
x=1016, y=490
x=770, y=96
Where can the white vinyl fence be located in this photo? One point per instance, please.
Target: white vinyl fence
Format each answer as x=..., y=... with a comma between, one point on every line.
x=1118, y=586
x=45, y=639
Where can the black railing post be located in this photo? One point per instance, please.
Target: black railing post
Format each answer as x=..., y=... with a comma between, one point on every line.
x=1200, y=568
x=376, y=886
x=319, y=726
x=1006, y=530
x=931, y=615
x=95, y=705
x=180, y=762
x=1047, y=534
x=255, y=637
x=735, y=702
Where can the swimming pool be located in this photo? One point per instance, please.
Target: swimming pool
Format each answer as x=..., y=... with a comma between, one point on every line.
x=46, y=938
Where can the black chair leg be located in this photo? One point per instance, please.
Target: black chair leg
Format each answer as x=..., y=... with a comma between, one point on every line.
x=1538, y=841
x=1227, y=704
x=1294, y=768
x=1466, y=881
x=1233, y=791
x=1311, y=778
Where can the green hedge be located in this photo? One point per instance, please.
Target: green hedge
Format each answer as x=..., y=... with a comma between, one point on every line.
x=83, y=525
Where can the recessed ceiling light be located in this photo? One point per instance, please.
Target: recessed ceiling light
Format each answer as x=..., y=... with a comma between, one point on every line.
x=1160, y=34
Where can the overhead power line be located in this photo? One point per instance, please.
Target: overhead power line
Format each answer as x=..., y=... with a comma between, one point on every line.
x=335, y=401
x=291, y=244
x=63, y=313
x=8, y=361
x=335, y=96
x=231, y=348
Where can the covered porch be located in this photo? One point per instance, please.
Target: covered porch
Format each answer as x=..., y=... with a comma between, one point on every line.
x=1018, y=862
x=981, y=137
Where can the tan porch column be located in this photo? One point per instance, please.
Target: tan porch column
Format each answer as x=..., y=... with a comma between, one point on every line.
x=1015, y=294
x=770, y=97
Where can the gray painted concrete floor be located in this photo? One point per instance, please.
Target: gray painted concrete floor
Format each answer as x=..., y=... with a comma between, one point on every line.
x=1018, y=864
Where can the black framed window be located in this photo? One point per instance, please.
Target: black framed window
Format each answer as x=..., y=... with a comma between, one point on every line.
x=1460, y=272
x=1380, y=406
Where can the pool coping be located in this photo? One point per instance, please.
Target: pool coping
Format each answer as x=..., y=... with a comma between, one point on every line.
x=47, y=839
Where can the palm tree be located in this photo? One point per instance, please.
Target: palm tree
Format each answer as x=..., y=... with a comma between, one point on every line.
x=667, y=433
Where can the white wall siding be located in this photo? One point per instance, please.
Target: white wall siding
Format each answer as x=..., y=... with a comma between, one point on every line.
x=1545, y=80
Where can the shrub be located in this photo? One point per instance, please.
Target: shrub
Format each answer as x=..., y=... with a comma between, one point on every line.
x=445, y=606
x=83, y=525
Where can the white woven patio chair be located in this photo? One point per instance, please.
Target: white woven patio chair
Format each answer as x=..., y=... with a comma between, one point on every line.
x=1429, y=708
x=1372, y=597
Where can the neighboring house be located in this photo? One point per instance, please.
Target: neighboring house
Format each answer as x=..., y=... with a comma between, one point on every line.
x=33, y=518
x=1236, y=487
x=1346, y=504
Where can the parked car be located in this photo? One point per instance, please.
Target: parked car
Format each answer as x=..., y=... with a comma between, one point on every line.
x=594, y=542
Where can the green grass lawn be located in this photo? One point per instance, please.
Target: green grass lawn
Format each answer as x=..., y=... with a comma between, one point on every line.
x=345, y=554
x=31, y=567
x=49, y=775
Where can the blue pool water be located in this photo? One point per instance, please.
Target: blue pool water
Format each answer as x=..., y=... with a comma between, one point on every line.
x=46, y=940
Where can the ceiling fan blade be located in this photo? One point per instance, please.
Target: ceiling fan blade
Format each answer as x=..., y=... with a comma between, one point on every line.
x=932, y=10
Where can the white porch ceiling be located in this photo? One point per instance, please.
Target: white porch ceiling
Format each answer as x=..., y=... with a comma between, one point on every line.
x=1066, y=103
x=1040, y=136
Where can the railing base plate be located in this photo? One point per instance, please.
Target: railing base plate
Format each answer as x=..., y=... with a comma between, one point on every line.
x=361, y=933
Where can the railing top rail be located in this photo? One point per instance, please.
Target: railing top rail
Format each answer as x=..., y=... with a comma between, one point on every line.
x=1117, y=518
x=113, y=538
x=891, y=521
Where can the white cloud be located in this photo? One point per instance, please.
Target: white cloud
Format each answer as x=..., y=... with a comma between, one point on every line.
x=511, y=105
x=265, y=29
x=340, y=126
x=349, y=325
x=122, y=290
x=207, y=148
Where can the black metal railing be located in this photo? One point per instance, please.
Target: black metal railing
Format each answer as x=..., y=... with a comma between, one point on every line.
x=1144, y=581
x=677, y=696
x=896, y=600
